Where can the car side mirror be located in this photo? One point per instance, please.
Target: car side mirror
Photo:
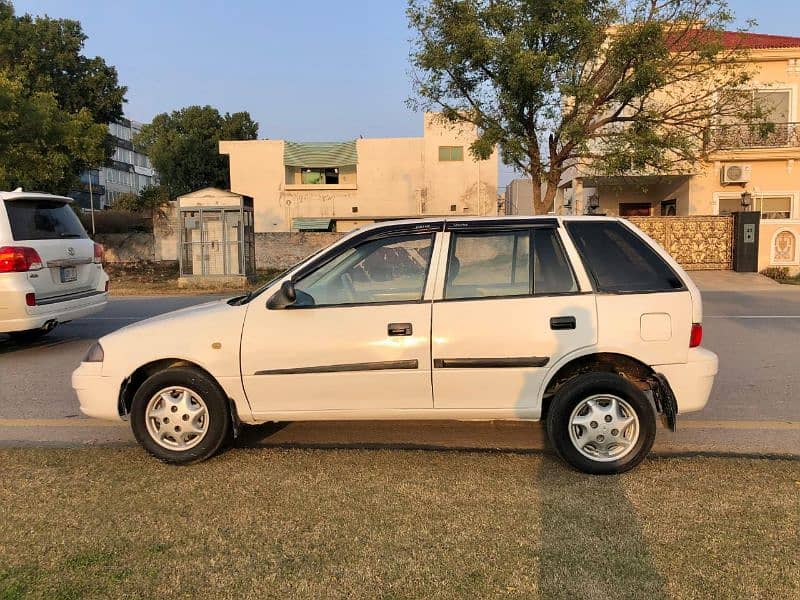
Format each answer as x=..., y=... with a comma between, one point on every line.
x=284, y=297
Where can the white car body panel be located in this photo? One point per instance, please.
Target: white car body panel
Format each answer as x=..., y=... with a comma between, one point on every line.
x=652, y=328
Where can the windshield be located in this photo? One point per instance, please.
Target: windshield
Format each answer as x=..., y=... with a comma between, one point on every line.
x=43, y=220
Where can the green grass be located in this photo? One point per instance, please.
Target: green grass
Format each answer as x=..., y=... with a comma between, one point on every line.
x=114, y=523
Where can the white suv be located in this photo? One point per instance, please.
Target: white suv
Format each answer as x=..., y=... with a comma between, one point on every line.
x=585, y=322
x=50, y=271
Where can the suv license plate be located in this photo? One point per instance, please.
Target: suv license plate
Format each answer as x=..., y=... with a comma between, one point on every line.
x=69, y=274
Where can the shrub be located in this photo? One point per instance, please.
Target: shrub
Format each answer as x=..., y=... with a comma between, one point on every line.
x=776, y=273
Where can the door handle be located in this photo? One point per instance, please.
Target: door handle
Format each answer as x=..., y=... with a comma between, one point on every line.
x=400, y=329
x=559, y=323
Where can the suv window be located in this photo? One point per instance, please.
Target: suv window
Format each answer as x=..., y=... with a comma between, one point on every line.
x=619, y=260
x=43, y=220
x=387, y=269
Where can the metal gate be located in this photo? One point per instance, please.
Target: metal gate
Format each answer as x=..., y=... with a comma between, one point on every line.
x=697, y=243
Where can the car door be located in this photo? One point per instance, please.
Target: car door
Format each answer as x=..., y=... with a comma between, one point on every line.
x=357, y=339
x=508, y=306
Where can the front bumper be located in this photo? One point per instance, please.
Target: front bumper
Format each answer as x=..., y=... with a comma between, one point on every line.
x=691, y=382
x=98, y=395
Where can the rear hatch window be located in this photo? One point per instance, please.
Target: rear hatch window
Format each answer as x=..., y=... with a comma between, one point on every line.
x=619, y=261
x=43, y=220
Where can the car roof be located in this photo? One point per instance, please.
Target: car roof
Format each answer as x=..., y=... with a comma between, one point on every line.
x=33, y=196
x=488, y=220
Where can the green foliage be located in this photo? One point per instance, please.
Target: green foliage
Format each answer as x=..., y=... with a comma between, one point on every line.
x=45, y=54
x=54, y=102
x=150, y=201
x=630, y=87
x=184, y=146
x=40, y=143
x=776, y=273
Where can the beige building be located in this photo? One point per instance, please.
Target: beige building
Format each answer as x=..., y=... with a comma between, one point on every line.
x=339, y=186
x=763, y=165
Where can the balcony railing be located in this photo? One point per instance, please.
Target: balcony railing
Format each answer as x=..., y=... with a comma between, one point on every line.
x=754, y=135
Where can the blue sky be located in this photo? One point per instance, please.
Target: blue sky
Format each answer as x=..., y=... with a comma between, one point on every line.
x=306, y=70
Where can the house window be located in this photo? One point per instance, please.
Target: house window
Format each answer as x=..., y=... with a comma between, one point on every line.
x=728, y=206
x=354, y=209
x=451, y=153
x=635, y=209
x=327, y=176
x=452, y=208
x=774, y=207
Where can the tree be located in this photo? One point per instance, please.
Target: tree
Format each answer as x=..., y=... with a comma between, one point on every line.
x=40, y=142
x=628, y=87
x=151, y=201
x=46, y=74
x=184, y=146
x=45, y=55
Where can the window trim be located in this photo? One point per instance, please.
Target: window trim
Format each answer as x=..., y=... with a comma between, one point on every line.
x=794, y=213
x=450, y=153
x=477, y=229
x=593, y=278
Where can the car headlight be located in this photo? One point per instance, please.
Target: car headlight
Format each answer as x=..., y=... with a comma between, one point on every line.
x=95, y=353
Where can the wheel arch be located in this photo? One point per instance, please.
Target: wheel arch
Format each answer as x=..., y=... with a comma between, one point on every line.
x=132, y=383
x=629, y=367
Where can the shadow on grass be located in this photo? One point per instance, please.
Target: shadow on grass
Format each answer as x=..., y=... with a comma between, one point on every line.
x=591, y=541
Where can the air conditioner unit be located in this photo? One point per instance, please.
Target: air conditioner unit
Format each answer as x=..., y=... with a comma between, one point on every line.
x=737, y=173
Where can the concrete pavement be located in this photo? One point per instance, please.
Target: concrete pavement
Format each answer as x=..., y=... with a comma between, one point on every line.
x=753, y=409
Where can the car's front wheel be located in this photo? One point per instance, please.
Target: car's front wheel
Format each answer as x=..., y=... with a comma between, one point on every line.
x=600, y=423
x=180, y=415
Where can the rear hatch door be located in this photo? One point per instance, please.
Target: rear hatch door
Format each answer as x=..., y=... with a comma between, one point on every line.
x=52, y=228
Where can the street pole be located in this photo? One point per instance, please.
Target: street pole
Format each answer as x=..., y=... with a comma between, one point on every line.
x=91, y=201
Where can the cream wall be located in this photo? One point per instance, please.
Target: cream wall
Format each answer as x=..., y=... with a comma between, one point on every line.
x=395, y=177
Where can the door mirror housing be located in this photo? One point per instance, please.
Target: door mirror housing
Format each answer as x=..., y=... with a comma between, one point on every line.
x=285, y=296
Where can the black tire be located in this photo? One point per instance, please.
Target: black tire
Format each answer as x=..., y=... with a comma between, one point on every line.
x=29, y=335
x=571, y=394
x=219, y=418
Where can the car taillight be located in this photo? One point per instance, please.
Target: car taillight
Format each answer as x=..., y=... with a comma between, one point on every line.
x=98, y=253
x=18, y=259
x=30, y=299
x=696, y=338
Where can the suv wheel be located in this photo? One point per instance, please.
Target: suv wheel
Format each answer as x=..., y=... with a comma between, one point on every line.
x=180, y=415
x=600, y=423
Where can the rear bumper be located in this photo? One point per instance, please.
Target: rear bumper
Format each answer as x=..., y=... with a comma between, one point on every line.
x=98, y=395
x=691, y=382
x=17, y=316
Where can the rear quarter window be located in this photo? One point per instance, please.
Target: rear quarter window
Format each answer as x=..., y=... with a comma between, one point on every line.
x=619, y=261
x=43, y=220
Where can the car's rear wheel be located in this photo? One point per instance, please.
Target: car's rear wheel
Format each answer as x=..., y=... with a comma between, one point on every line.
x=600, y=423
x=180, y=415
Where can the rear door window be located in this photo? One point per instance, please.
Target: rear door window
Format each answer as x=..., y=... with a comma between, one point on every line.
x=43, y=220
x=619, y=261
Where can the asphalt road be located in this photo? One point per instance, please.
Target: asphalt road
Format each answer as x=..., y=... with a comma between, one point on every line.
x=753, y=410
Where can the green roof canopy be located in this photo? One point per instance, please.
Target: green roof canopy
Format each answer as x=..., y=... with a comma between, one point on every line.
x=311, y=224
x=320, y=154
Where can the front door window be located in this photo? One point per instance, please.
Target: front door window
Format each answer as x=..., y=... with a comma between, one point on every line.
x=388, y=269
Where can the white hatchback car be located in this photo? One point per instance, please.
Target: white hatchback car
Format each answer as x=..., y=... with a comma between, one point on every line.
x=50, y=271
x=584, y=322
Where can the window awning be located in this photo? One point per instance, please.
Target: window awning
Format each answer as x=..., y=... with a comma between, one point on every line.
x=320, y=154
x=311, y=224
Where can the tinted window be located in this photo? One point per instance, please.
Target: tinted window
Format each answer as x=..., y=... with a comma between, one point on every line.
x=43, y=220
x=390, y=269
x=488, y=265
x=551, y=271
x=618, y=260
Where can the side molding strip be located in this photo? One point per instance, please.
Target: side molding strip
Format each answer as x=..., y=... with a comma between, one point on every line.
x=367, y=366
x=490, y=363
